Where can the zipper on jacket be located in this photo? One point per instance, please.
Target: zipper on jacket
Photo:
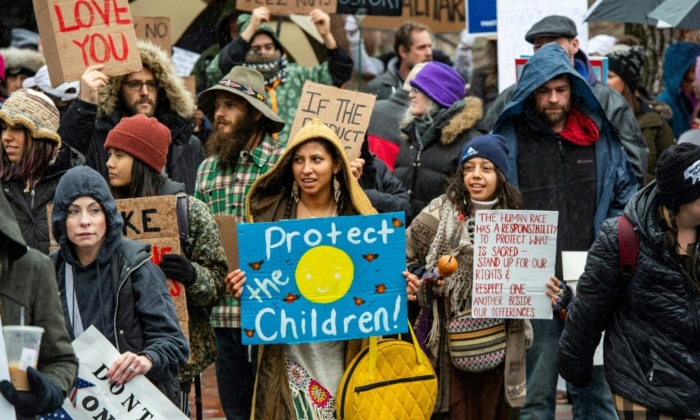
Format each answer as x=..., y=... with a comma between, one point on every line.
x=116, y=305
x=392, y=382
x=566, y=193
x=650, y=375
x=33, y=193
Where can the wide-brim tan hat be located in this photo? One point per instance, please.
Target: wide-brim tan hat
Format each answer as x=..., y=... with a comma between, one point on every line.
x=249, y=85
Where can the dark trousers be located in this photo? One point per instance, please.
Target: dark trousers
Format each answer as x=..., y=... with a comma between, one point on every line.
x=235, y=375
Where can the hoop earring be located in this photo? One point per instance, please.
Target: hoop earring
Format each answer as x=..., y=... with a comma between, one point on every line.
x=295, y=192
x=336, y=189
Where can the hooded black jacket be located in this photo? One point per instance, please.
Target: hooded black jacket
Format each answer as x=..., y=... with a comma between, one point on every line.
x=652, y=322
x=135, y=311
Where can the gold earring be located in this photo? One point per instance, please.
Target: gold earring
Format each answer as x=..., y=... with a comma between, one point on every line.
x=336, y=189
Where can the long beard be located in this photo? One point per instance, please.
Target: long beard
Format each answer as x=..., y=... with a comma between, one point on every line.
x=229, y=145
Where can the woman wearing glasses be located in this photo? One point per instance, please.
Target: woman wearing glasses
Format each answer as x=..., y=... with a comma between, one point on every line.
x=437, y=123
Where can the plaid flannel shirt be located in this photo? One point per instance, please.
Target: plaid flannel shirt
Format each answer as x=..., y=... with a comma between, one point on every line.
x=224, y=191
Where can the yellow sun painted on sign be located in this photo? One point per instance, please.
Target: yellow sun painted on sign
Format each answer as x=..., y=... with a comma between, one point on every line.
x=324, y=274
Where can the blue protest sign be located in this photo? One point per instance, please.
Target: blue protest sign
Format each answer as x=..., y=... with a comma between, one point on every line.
x=481, y=17
x=323, y=279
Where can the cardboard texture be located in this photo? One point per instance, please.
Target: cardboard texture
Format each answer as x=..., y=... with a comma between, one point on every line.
x=346, y=112
x=514, y=255
x=441, y=16
x=152, y=220
x=323, y=279
x=289, y=7
x=76, y=34
x=228, y=232
x=191, y=86
x=154, y=29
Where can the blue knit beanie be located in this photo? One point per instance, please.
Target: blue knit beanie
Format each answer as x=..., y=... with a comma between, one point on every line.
x=441, y=83
x=490, y=146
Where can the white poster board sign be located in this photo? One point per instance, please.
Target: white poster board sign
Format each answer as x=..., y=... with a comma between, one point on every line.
x=573, y=264
x=514, y=256
x=519, y=16
x=95, y=398
x=7, y=410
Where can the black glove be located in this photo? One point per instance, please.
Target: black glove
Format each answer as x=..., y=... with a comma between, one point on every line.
x=44, y=397
x=178, y=268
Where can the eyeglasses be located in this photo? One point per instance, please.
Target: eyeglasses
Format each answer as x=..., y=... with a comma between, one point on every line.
x=415, y=91
x=137, y=85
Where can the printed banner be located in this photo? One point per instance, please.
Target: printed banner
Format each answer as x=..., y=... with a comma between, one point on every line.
x=441, y=16
x=95, y=398
x=76, y=34
x=370, y=7
x=289, y=7
x=323, y=279
x=514, y=256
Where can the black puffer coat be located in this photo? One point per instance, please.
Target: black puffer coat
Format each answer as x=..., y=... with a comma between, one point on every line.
x=425, y=167
x=652, y=323
x=30, y=207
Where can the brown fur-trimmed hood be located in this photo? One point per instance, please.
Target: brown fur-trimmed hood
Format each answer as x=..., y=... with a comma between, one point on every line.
x=449, y=123
x=171, y=89
x=22, y=58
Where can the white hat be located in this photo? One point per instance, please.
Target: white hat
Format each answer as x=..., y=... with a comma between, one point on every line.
x=41, y=80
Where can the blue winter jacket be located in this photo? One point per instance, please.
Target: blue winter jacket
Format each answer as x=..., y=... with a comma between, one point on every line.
x=616, y=182
x=678, y=59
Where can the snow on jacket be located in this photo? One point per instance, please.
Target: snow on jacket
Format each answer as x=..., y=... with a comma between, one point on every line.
x=85, y=126
x=617, y=111
x=615, y=180
x=651, y=322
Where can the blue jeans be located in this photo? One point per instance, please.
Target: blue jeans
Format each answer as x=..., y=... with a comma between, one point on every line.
x=595, y=401
x=235, y=375
x=590, y=403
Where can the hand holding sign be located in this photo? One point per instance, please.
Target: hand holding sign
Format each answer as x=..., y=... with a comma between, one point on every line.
x=323, y=23
x=90, y=82
x=128, y=366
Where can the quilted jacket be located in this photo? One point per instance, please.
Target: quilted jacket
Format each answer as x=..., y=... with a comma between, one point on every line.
x=651, y=323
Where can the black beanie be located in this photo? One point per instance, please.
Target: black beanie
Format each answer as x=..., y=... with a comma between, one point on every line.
x=677, y=175
x=627, y=63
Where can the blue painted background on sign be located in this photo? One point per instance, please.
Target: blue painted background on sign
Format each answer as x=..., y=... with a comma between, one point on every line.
x=481, y=17
x=323, y=279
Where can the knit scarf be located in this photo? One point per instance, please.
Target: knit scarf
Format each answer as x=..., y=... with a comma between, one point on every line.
x=580, y=129
x=273, y=66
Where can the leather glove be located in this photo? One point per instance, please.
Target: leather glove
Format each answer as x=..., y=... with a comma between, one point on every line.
x=178, y=268
x=43, y=398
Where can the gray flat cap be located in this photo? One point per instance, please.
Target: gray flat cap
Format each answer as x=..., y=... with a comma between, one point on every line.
x=553, y=25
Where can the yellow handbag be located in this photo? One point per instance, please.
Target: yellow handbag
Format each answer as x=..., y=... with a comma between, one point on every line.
x=389, y=379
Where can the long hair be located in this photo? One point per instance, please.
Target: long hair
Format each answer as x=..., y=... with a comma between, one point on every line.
x=145, y=182
x=37, y=155
x=508, y=196
x=631, y=98
x=408, y=116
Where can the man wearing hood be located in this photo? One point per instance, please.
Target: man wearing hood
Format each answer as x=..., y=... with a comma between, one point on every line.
x=257, y=47
x=679, y=79
x=28, y=282
x=20, y=63
x=564, y=156
x=562, y=30
x=155, y=91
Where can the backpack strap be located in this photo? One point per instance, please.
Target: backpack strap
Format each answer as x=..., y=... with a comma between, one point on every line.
x=183, y=210
x=629, y=247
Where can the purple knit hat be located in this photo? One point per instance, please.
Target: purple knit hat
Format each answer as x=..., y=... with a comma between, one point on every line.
x=441, y=83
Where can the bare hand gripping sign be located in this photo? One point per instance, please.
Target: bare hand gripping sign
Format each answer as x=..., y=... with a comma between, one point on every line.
x=345, y=112
x=76, y=34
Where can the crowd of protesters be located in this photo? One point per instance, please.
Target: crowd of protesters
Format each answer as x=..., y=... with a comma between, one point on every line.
x=442, y=143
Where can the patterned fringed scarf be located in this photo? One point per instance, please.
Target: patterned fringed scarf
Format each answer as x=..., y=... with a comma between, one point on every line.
x=273, y=66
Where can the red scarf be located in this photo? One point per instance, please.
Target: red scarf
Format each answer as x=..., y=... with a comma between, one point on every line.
x=580, y=129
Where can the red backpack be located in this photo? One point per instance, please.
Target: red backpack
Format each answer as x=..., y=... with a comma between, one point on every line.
x=628, y=241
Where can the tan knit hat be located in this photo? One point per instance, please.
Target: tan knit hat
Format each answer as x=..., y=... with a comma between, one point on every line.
x=33, y=110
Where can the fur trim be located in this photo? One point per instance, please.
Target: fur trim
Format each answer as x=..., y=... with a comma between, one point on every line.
x=465, y=120
x=17, y=58
x=663, y=109
x=156, y=60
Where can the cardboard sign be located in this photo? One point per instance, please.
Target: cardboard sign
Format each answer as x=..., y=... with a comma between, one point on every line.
x=76, y=34
x=7, y=410
x=154, y=29
x=191, y=86
x=323, y=279
x=94, y=397
x=371, y=7
x=514, y=256
x=228, y=231
x=289, y=7
x=439, y=15
x=345, y=112
x=152, y=220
